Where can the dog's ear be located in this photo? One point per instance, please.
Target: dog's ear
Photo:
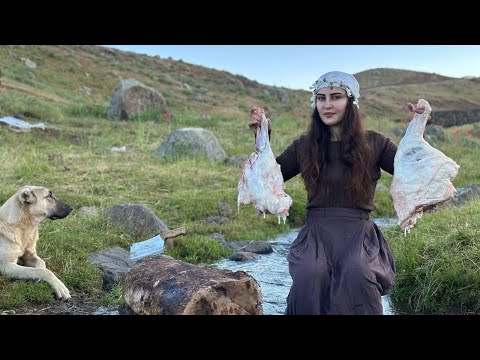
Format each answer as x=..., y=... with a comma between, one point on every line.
x=27, y=196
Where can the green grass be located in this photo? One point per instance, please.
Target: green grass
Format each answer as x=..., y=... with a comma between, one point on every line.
x=438, y=263
x=74, y=160
x=65, y=246
x=198, y=249
x=13, y=102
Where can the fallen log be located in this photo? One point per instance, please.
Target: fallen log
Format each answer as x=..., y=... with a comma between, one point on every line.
x=161, y=285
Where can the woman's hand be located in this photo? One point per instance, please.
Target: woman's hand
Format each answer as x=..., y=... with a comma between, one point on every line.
x=416, y=110
x=256, y=119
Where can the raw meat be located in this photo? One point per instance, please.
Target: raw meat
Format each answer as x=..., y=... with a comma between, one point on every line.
x=422, y=175
x=261, y=183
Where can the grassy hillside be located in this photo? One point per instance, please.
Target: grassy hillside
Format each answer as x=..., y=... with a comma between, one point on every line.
x=83, y=74
x=65, y=70
x=382, y=77
x=452, y=94
x=68, y=91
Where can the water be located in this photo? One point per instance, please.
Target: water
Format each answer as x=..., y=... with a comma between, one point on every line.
x=271, y=272
x=102, y=310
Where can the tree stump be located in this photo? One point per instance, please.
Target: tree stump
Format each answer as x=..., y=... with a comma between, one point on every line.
x=161, y=285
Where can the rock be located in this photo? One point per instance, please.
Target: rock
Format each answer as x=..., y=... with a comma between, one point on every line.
x=257, y=247
x=136, y=219
x=114, y=262
x=215, y=219
x=130, y=97
x=217, y=236
x=87, y=211
x=191, y=143
x=243, y=256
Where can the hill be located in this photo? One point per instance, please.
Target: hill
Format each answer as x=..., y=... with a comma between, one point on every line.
x=388, y=77
x=385, y=91
x=86, y=74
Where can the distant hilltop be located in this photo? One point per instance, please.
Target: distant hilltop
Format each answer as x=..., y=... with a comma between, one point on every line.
x=88, y=74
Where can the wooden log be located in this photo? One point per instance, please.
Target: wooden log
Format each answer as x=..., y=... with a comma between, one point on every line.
x=174, y=233
x=161, y=285
x=170, y=234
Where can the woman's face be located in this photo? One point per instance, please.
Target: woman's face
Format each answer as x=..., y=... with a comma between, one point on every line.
x=331, y=105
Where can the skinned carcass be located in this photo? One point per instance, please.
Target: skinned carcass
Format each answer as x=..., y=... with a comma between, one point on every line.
x=422, y=175
x=261, y=183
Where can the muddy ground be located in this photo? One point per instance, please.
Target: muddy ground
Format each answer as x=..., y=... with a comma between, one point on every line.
x=73, y=306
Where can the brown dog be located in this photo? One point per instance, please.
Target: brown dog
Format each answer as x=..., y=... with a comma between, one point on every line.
x=20, y=218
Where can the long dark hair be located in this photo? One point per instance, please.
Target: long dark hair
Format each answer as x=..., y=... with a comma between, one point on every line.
x=355, y=153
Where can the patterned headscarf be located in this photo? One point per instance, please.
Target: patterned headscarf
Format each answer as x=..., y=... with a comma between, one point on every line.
x=337, y=79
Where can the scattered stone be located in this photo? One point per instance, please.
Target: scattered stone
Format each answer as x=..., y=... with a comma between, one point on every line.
x=88, y=211
x=243, y=256
x=217, y=236
x=216, y=219
x=114, y=262
x=136, y=219
x=257, y=247
x=224, y=209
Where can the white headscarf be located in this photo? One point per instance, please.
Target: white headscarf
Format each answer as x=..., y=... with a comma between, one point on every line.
x=336, y=79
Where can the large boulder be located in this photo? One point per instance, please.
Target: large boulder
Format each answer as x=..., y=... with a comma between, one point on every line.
x=131, y=97
x=136, y=219
x=192, y=143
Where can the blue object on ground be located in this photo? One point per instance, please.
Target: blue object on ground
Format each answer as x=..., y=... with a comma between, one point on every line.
x=148, y=247
x=20, y=123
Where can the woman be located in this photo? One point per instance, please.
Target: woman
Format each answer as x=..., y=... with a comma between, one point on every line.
x=340, y=262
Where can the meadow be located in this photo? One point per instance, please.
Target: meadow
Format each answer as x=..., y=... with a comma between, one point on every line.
x=437, y=263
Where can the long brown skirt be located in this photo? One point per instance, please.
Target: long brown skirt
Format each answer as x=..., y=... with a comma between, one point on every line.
x=340, y=264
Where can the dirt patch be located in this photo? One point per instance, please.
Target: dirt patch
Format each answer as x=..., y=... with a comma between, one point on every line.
x=12, y=84
x=49, y=133
x=53, y=133
x=61, y=308
x=74, y=306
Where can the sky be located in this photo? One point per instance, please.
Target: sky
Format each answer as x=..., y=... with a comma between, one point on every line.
x=298, y=66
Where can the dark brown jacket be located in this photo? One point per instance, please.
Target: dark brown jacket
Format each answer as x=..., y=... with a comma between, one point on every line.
x=384, y=152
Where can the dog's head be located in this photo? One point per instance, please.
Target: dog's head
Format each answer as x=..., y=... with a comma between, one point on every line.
x=40, y=203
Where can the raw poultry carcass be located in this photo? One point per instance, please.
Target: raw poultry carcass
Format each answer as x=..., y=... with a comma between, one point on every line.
x=422, y=175
x=261, y=183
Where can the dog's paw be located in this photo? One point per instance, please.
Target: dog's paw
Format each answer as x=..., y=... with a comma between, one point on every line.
x=62, y=297
x=62, y=293
x=65, y=295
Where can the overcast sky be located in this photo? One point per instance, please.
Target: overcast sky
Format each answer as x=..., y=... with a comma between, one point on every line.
x=298, y=66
